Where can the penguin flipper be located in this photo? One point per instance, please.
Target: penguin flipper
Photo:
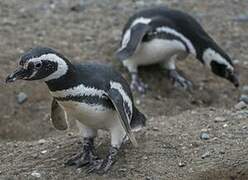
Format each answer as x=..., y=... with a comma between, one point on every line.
x=118, y=102
x=137, y=32
x=58, y=116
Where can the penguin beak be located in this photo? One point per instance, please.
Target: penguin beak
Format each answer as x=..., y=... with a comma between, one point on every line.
x=233, y=78
x=19, y=73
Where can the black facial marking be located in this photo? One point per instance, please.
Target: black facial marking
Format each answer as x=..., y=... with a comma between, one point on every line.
x=46, y=68
x=219, y=69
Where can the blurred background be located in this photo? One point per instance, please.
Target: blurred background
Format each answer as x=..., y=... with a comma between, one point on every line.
x=90, y=30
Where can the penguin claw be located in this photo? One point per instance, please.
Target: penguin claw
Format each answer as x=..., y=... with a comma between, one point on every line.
x=82, y=159
x=100, y=166
x=138, y=85
x=180, y=81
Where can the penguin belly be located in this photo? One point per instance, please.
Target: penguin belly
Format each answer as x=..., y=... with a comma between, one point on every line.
x=91, y=115
x=156, y=50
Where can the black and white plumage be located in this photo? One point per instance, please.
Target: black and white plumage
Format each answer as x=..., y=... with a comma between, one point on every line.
x=96, y=95
x=162, y=35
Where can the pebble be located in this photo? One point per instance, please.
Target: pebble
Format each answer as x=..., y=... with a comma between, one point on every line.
x=148, y=178
x=145, y=157
x=138, y=102
x=181, y=164
x=240, y=105
x=42, y=141
x=122, y=169
x=245, y=89
x=225, y=125
x=236, y=61
x=241, y=18
x=244, y=98
x=44, y=152
x=21, y=97
x=222, y=152
x=36, y=174
x=219, y=119
x=204, y=136
x=155, y=129
x=205, y=155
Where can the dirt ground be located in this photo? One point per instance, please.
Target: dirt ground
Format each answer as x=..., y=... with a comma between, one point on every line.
x=170, y=146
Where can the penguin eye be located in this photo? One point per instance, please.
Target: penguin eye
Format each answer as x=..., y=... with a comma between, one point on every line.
x=37, y=65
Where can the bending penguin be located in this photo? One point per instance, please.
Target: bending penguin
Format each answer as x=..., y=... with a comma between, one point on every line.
x=96, y=95
x=162, y=35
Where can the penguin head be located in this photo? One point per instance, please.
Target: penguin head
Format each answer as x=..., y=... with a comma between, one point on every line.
x=40, y=63
x=221, y=65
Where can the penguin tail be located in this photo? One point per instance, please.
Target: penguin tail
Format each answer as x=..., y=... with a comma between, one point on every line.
x=138, y=120
x=131, y=40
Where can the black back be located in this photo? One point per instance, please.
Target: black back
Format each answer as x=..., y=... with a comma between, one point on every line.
x=182, y=23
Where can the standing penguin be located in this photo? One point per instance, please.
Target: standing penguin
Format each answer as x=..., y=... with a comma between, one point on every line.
x=96, y=95
x=162, y=35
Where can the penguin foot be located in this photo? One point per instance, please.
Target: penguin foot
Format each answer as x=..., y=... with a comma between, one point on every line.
x=82, y=159
x=179, y=81
x=102, y=166
x=137, y=84
x=87, y=156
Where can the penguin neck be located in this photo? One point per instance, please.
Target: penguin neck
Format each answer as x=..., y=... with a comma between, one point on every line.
x=62, y=82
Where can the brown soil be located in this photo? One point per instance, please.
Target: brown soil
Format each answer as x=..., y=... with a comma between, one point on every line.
x=90, y=30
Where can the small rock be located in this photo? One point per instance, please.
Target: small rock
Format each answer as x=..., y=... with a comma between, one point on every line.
x=35, y=155
x=240, y=105
x=44, y=152
x=155, y=129
x=236, y=61
x=148, y=178
x=241, y=18
x=225, y=125
x=205, y=155
x=204, y=136
x=42, y=141
x=21, y=97
x=245, y=89
x=244, y=98
x=219, y=119
x=70, y=133
x=36, y=174
x=122, y=169
x=222, y=152
x=15, y=145
x=138, y=102
x=145, y=157
x=77, y=8
x=181, y=164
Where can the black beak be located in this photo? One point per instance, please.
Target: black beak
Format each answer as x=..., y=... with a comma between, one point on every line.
x=234, y=79
x=19, y=73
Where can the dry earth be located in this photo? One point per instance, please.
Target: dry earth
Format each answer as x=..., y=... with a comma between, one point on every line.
x=170, y=147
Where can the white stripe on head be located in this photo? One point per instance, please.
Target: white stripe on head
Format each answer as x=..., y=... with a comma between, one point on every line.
x=141, y=20
x=181, y=36
x=119, y=88
x=210, y=55
x=127, y=35
x=61, y=69
x=80, y=90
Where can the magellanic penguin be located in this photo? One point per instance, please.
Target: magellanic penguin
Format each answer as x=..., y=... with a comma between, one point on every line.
x=162, y=35
x=96, y=95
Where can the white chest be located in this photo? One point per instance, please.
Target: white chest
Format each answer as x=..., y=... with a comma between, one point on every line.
x=156, y=50
x=94, y=116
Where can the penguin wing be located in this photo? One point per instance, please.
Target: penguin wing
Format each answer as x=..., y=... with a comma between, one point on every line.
x=58, y=116
x=117, y=99
x=131, y=40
